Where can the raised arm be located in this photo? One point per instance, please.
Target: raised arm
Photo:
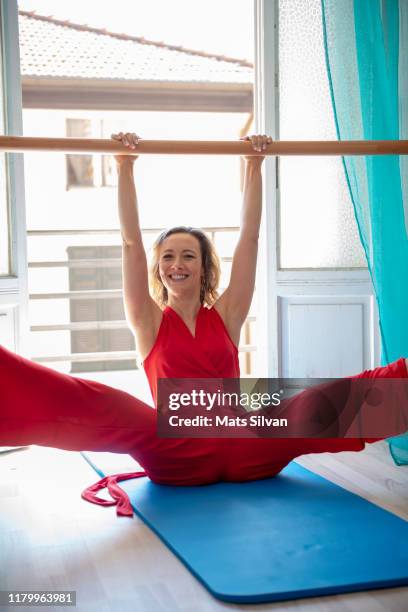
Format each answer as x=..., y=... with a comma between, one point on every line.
x=235, y=302
x=141, y=310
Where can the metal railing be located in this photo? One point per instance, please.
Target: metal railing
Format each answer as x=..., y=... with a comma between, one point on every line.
x=245, y=348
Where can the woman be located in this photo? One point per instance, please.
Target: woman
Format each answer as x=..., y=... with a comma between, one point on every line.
x=183, y=330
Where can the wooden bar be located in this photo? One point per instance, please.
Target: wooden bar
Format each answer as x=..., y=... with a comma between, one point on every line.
x=204, y=147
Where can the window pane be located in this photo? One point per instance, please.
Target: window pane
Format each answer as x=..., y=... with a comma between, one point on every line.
x=4, y=228
x=4, y=223
x=80, y=171
x=317, y=224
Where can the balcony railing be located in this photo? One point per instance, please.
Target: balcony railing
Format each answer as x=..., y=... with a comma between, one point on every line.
x=246, y=348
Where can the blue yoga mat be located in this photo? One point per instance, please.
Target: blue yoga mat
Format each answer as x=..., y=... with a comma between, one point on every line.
x=292, y=536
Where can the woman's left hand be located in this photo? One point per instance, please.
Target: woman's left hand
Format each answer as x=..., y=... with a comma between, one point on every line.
x=259, y=144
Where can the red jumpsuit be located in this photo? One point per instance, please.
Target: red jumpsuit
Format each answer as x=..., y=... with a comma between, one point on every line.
x=41, y=406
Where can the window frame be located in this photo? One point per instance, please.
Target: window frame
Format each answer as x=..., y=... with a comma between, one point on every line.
x=13, y=287
x=266, y=122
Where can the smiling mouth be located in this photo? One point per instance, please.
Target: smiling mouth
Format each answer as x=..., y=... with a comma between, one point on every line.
x=178, y=277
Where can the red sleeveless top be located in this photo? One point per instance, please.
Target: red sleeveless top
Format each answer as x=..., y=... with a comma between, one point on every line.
x=176, y=353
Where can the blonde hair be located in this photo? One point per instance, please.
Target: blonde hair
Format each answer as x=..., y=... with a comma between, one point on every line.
x=210, y=263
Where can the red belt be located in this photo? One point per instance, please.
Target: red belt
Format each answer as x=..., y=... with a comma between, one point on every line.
x=120, y=497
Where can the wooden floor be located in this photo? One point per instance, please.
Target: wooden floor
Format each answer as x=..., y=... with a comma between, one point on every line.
x=51, y=539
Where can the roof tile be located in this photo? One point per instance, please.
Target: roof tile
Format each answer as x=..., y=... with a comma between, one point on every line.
x=54, y=48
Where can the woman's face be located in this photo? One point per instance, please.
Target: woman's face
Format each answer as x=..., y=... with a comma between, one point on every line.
x=180, y=265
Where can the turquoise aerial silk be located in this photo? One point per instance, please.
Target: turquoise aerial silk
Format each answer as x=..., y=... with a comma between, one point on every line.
x=366, y=56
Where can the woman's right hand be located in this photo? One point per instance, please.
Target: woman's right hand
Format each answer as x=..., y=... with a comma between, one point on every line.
x=129, y=140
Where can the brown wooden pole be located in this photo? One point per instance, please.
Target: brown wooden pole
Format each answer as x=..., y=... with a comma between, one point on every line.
x=203, y=147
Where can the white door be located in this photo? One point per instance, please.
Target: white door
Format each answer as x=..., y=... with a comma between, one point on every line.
x=13, y=259
x=317, y=310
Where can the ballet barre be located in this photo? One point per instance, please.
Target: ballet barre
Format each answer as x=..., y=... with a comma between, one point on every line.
x=203, y=147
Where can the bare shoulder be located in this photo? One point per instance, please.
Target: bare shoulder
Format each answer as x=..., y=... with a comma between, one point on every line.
x=146, y=327
x=232, y=324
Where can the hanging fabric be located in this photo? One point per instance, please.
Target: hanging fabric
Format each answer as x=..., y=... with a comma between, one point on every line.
x=366, y=56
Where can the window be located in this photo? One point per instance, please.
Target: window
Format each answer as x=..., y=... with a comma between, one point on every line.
x=4, y=222
x=317, y=224
x=108, y=275
x=4, y=214
x=80, y=170
x=73, y=230
x=90, y=170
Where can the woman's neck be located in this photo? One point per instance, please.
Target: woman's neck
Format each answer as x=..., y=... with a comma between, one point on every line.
x=187, y=309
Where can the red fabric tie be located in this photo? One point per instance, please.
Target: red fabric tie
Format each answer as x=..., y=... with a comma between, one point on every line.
x=120, y=497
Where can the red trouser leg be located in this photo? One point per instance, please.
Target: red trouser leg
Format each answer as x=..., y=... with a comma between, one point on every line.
x=254, y=458
x=396, y=369
x=41, y=406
